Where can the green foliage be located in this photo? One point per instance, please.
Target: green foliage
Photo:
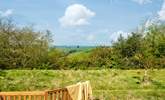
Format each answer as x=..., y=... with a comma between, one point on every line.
x=142, y=51
x=24, y=48
x=21, y=47
x=128, y=51
x=57, y=59
x=101, y=57
x=79, y=60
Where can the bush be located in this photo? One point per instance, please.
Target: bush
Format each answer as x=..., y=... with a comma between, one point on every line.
x=21, y=47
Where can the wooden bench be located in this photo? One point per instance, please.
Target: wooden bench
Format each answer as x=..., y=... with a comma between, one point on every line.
x=57, y=94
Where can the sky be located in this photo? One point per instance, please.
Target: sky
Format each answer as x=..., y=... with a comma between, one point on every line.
x=84, y=22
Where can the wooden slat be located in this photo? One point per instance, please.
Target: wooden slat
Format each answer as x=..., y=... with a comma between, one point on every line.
x=51, y=94
x=46, y=96
x=4, y=97
x=58, y=95
x=19, y=97
x=14, y=97
x=24, y=97
x=9, y=97
x=35, y=97
x=29, y=97
x=64, y=95
x=55, y=96
x=39, y=97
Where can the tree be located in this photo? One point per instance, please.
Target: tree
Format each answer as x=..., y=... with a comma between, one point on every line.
x=101, y=57
x=21, y=47
x=128, y=50
x=57, y=59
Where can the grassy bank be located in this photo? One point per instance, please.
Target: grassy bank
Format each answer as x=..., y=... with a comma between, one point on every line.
x=117, y=84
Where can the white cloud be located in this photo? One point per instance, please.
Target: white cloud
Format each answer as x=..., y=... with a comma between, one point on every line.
x=76, y=15
x=150, y=22
x=114, y=36
x=6, y=13
x=161, y=13
x=90, y=37
x=141, y=2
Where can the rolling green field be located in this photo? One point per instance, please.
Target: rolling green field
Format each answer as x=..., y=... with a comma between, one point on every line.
x=73, y=49
x=106, y=84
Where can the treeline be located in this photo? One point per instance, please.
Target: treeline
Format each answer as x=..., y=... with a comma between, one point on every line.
x=140, y=50
x=24, y=48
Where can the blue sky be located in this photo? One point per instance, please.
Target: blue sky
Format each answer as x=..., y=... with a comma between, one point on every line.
x=84, y=22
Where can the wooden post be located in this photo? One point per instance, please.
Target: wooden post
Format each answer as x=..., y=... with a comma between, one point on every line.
x=55, y=96
x=14, y=97
x=4, y=97
x=24, y=97
x=46, y=95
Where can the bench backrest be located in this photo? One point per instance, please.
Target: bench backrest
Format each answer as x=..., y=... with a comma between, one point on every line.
x=57, y=94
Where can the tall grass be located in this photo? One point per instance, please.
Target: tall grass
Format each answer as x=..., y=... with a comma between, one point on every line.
x=117, y=84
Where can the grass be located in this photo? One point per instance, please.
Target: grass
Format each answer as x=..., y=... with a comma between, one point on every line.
x=75, y=48
x=106, y=84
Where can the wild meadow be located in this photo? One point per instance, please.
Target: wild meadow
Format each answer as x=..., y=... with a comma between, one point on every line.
x=106, y=84
x=131, y=68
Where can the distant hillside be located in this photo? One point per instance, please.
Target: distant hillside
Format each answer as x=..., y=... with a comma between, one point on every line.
x=72, y=49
